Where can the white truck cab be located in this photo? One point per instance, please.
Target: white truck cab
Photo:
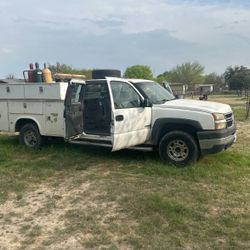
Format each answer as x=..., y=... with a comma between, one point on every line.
x=118, y=113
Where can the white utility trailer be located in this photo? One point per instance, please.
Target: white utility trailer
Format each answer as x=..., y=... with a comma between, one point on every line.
x=43, y=104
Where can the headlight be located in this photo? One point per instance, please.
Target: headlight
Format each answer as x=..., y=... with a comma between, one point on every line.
x=218, y=116
x=219, y=121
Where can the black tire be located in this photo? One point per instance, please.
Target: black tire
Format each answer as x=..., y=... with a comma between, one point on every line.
x=102, y=73
x=30, y=136
x=179, y=148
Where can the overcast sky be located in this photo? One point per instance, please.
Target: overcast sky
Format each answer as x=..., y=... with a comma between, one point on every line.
x=120, y=33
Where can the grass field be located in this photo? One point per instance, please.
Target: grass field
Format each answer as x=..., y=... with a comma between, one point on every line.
x=77, y=197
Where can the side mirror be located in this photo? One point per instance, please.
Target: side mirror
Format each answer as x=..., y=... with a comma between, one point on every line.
x=167, y=87
x=146, y=103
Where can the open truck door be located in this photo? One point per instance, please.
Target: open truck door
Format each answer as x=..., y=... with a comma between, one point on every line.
x=110, y=111
x=73, y=113
x=88, y=111
x=131, y=118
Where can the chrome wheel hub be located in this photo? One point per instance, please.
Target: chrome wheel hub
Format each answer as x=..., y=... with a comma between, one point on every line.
x=30, y=138
x=177, y=150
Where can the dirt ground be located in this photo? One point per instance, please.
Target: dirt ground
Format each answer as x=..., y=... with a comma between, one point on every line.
x=243, y=134
x=40, y=218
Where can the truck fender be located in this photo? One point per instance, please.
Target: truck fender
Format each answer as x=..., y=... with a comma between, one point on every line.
x=25, y=120
x=163, y=125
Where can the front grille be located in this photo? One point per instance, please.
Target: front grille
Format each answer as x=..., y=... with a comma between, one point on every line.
x=230, y=119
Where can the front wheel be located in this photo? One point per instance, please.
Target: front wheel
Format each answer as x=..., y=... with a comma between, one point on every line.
x=30, y=136
x=179, y=148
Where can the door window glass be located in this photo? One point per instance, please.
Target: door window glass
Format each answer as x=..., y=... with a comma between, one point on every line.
x=97, y=109
x=96, y=91
x=124, y=95
x=75, y=93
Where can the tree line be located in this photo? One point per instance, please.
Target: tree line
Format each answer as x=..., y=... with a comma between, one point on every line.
x=191, y=73
x=234, y=78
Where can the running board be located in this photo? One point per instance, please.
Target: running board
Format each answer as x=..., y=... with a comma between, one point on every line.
x=145, y=149
x=108, y=145
x=90, y=143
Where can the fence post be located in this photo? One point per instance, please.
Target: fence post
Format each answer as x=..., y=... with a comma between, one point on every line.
x=247, y=106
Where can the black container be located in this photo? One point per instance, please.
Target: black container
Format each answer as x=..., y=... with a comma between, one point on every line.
x=102, y=73
x=38, y=74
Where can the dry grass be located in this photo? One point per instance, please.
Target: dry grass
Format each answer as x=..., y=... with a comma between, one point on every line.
x=228, y=99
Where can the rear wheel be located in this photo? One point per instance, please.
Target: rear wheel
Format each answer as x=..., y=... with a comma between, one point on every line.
x=30, y=136
x=179, y=148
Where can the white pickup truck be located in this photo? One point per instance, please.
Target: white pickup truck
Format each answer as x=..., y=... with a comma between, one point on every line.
x=117, y=113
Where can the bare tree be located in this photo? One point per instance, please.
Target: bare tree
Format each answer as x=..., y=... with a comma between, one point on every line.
x=11, y=76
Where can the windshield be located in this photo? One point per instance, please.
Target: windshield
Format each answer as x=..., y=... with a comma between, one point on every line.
x=154, y=92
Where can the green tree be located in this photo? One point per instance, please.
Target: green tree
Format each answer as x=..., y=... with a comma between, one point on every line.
x=139, y=71
x=217, y=80
x=237, y=78
x=166, y=76
x=188, y=73
x=67, y=69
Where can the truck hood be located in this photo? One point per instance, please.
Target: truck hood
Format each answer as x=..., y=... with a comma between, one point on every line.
x=195, y=105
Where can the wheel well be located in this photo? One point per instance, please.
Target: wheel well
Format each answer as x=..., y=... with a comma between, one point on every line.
x=173, y=126
x=20, y=123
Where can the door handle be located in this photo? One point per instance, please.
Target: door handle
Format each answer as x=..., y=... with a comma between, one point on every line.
x=119, y=118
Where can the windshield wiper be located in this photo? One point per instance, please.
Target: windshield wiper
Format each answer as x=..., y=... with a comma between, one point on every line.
x=166, y=100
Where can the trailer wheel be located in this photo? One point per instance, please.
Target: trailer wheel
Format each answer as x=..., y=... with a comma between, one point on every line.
x=30, y=136
x=179, y=148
